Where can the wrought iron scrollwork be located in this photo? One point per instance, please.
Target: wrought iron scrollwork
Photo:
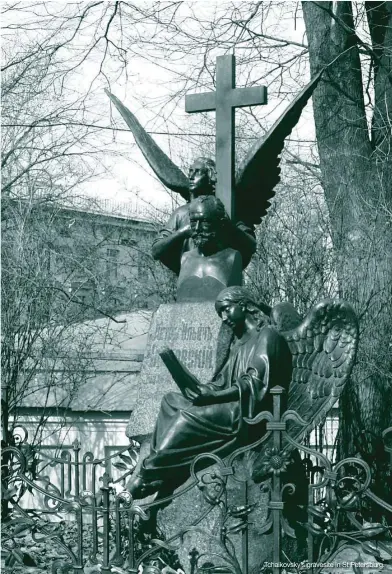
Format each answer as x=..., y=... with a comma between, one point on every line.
x=335, y=497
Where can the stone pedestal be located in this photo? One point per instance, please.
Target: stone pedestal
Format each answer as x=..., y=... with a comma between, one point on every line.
x=191, y=331
x=205, y=536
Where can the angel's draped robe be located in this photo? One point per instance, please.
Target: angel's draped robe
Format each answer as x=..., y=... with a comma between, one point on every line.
x=184, y=430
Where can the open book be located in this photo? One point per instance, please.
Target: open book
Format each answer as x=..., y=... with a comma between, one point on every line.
x=181, y=375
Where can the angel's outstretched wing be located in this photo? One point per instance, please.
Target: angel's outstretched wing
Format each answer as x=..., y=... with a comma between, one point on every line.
x=259, y=173
x=323, y=348
x=168, y=173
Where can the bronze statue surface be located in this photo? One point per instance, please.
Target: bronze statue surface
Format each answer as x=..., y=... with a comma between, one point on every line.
x=212, y=420
x=211, y=265
x=312, y=361
x=175, y=239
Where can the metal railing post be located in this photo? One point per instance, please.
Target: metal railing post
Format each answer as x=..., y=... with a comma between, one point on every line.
x=276, y=504
x=105, y=489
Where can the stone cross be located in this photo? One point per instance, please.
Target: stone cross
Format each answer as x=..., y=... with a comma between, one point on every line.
x=224, y=101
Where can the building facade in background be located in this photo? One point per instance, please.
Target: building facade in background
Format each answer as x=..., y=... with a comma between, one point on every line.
x=103, y=261
x=73, y=278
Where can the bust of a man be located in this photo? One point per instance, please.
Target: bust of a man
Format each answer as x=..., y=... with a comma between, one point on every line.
x=175, y=238
x=211, y=265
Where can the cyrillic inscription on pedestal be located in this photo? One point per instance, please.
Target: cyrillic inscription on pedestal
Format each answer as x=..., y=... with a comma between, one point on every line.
x=191, y=330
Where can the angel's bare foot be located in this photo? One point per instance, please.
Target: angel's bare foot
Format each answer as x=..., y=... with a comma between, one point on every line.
x=139, y=488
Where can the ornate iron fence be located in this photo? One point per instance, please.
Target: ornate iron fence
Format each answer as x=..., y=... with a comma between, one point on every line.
x=103, y=507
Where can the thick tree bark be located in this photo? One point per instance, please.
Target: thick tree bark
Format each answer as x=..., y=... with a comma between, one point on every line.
x=355, y=161
x=379, y=16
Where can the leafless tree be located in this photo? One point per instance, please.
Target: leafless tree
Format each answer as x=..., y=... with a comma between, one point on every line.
x=54, y=279
x=52, y=283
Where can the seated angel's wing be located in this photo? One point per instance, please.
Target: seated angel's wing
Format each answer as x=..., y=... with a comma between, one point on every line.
x=259, y=173
x=324, y=347
x=167, y=172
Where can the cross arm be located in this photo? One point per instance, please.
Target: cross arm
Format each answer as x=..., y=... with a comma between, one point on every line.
x=205, y=102
x=241, y=97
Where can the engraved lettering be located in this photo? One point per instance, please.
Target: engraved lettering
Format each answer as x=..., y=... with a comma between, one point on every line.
x=208, y=362
x=191, y=359
x=197, y=359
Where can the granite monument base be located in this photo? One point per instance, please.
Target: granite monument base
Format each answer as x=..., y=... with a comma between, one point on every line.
x=194, y=525
x=191, y=331
x=205, y=537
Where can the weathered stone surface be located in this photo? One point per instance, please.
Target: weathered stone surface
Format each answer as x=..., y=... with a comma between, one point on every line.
x=191, y=330
x=187, y=508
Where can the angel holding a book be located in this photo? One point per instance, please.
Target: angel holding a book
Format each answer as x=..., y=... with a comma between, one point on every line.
x=311, y=358
x=211, y=418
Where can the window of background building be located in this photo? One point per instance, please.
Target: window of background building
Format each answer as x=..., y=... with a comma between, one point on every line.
x=62, y=258
x=112, y=263
x=82, y=293
x=126, y=238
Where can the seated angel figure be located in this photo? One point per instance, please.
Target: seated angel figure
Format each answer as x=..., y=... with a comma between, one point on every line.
x=213, y=419
x=310, y=357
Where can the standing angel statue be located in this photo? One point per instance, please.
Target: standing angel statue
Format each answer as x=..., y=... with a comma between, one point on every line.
x=255, y=182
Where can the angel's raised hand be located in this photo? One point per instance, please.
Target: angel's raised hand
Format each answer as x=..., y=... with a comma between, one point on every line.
x=185, y=231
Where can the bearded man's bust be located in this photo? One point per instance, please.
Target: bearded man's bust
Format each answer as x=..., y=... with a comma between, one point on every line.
x=211, y=265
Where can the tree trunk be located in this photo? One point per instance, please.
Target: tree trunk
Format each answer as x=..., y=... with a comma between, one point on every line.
x=355, y=161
